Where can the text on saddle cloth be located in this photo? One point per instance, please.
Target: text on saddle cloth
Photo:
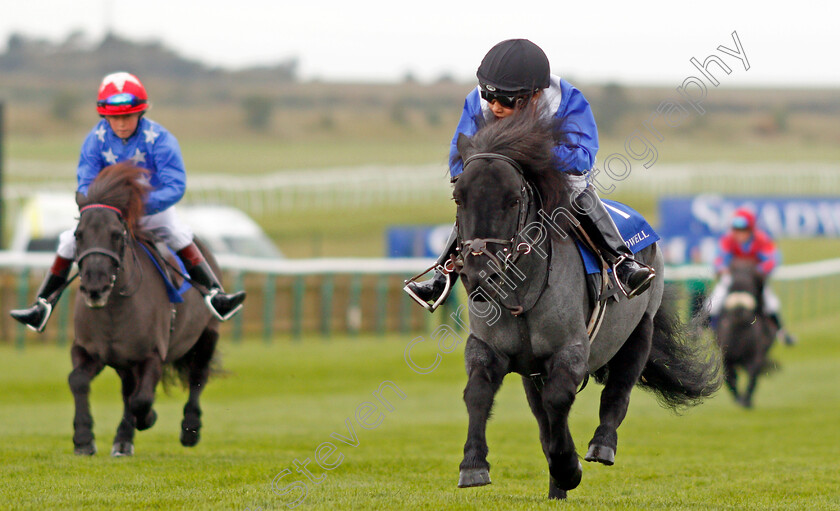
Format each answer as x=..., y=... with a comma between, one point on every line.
x=635, y=230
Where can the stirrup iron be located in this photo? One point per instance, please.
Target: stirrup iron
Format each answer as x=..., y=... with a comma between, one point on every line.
x=46, y=303
x=208, y=300
x=633, y=292
x=426, y=305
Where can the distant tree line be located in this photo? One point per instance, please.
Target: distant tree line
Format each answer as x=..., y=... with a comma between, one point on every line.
x=77, y=58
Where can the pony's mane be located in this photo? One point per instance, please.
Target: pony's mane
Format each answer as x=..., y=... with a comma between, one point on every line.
x=529, y=140
x=123, y=186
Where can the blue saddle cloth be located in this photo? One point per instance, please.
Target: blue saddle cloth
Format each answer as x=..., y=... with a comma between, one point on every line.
x=175, y=293
x=636, y=231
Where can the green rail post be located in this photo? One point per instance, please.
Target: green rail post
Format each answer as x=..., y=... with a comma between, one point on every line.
x=354, y=306
x=298, y=290
x=327, y=288
x=237, y=320
x=23, y=295
x=381, y=303
x=63, y=318
x=268, y=309
x=405, y=311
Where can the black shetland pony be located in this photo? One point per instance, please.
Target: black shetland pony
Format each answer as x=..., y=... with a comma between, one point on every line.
x=744, y=333
x=529, y=308
x=124, y=319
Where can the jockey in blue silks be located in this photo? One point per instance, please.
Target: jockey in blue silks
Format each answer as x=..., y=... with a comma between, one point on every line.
x=124, y=134
x=513, y=74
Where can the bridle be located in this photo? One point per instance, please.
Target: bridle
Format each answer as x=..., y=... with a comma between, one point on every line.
x=513, y=247
x=117, y=258
x=114, y=256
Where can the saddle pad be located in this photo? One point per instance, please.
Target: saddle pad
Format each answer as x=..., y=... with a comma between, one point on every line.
x=174, y=293
x=636, y=231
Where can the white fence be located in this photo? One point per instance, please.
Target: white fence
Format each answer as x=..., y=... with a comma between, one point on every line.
x=353, y=187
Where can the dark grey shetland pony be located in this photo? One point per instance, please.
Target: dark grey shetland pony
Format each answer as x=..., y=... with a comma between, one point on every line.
x=529, y=308
x=744, y=333
x=124, y=318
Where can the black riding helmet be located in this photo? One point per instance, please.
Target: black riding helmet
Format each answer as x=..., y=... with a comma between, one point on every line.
x=514, y=66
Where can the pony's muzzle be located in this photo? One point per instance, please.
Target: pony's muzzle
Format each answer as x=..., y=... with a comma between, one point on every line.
x=96, y=287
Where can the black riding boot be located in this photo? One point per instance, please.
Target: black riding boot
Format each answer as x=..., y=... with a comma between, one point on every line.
x=36, y=317
x=221, y=304
x=782, y=334
x=433, y=290
x=599, y=226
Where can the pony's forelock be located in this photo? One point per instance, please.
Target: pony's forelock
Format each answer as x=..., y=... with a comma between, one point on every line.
x=123, y=186
x=529, y=139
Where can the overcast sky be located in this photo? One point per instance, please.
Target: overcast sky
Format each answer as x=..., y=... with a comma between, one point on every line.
x=630, y=42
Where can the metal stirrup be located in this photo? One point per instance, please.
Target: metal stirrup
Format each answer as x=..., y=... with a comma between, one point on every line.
x=437, y=303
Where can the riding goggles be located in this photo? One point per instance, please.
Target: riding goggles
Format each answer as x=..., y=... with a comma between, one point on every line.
x=740, y=222
x=505, y=98
x=121, y=99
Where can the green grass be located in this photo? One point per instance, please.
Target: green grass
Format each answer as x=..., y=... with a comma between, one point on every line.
x=280, y=402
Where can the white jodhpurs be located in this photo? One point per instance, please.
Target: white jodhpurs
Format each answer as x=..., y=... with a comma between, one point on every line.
x=714, y=304
x=165, y=225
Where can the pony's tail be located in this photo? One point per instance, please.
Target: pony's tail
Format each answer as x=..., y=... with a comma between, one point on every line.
x=684, y=367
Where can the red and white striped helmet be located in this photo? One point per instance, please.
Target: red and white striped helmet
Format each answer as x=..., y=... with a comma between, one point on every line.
x=121, y=93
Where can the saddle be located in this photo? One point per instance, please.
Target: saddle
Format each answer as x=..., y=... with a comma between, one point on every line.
x=601, y=284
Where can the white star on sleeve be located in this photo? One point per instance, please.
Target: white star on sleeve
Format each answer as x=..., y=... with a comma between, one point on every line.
x=100, y=133
x=109, y=156
x=151, y=135
x=139, y=157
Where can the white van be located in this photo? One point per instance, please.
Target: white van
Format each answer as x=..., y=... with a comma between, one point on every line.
x=224, y=229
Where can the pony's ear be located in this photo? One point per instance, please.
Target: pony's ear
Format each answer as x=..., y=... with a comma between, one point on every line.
x=464, y=145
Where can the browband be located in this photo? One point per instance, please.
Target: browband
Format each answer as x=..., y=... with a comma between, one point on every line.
x=494, y=156
x=92, y=206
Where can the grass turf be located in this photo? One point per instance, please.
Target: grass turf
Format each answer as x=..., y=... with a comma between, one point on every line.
x=279, y=403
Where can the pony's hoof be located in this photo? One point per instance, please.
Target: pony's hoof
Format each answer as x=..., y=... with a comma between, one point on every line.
x=190, y=437
x=147, y=421
x=601, y=454
x=85, y=450
x=554, y=491
x=473, y=477
x=121, y=449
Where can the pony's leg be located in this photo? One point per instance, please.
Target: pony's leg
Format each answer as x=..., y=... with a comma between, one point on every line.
x=565, y=372
x=745, y=399
x=124, y=440
x=141, y=402
x=485, y=373
x=731, y=378
x=534, y=396
x=85, y=368
x=199, y=358
x=623, y=370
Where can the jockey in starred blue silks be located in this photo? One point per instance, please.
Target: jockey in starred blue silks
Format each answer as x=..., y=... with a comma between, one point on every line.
x=124, y=134
x=513, y=74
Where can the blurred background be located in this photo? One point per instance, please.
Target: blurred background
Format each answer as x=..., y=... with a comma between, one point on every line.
x=332, y=135
x=316, y=137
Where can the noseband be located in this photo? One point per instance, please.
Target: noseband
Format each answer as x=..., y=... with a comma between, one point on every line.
x=515, y=246
x=117, y=258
